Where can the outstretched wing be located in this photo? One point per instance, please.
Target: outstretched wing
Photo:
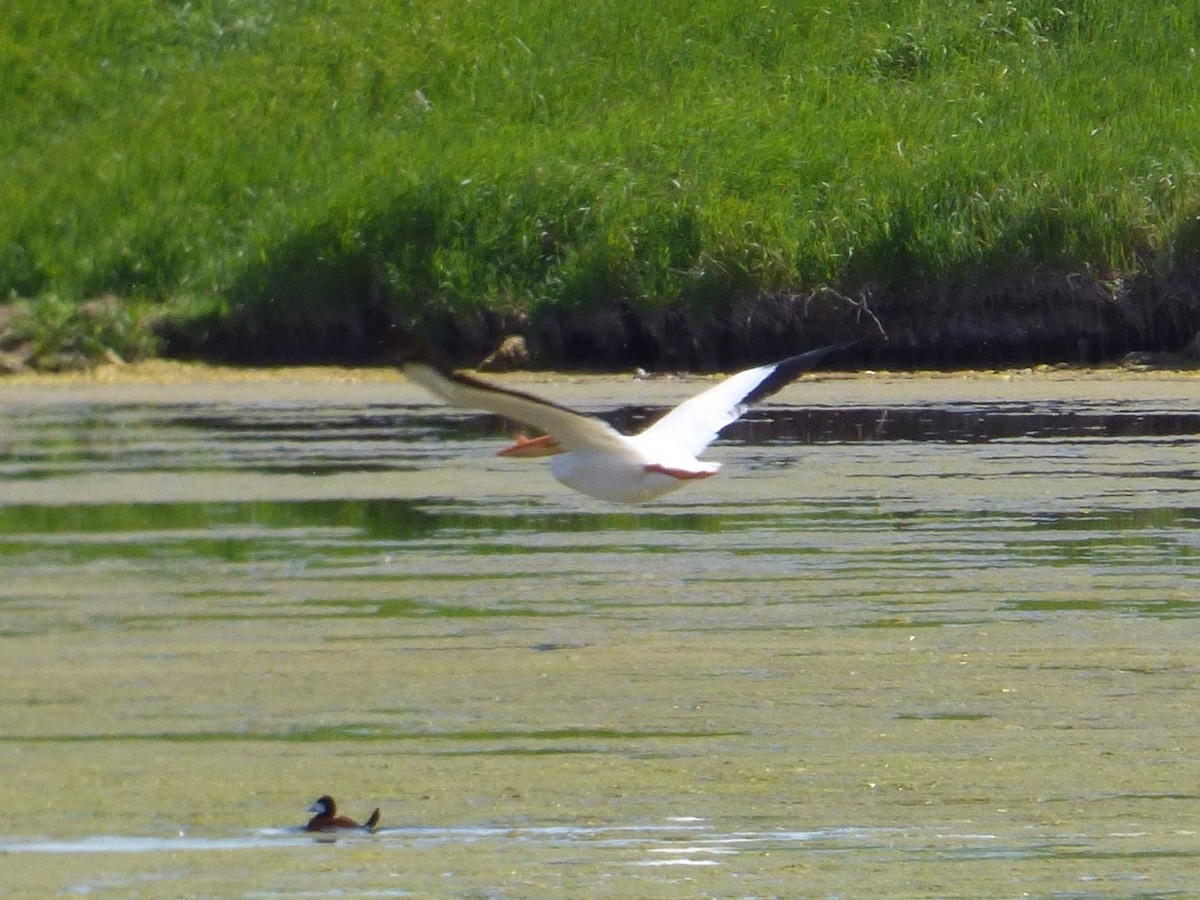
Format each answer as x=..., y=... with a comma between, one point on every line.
x=570, y=430
x=695, y=423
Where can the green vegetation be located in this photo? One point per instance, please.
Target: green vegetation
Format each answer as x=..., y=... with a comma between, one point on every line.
x=60, y=333
x=324, y=159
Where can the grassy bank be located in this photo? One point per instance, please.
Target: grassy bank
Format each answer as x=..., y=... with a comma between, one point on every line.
x=322, y=162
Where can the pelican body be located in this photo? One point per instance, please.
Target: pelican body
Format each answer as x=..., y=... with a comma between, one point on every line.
x=592, y=457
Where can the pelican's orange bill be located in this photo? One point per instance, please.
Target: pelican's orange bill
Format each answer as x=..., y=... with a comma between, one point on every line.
x=538, y=446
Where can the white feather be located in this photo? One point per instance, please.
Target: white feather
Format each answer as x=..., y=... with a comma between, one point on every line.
x=599, y=460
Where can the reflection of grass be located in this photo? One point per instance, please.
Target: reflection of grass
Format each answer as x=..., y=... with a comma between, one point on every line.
x=1147, y=608
x=375, y=519
x=413, y=609
x=369, y=732
x=314, y=167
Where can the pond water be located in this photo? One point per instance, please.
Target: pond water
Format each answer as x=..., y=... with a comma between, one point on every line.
x=925, y=636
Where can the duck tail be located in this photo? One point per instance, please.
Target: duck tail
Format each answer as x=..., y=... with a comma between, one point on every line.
x=373, y=821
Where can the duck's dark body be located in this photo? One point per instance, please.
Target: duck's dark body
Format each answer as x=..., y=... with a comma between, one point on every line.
x=327, y=819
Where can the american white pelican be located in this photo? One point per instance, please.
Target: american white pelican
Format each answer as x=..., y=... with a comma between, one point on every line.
x=594, y=458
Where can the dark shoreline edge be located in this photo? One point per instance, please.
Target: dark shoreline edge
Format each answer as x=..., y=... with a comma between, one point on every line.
x=1011, y=321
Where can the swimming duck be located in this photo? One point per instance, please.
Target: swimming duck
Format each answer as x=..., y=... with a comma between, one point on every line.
x=327, y=819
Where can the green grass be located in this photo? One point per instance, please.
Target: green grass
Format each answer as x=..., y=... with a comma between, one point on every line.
x=315, y=159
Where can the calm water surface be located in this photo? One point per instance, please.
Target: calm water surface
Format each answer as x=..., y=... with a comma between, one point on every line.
x=927, y=637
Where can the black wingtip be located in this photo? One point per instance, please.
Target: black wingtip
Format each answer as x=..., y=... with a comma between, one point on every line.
x=788, y=370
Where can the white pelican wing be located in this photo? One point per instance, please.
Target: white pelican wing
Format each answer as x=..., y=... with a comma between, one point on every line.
x=571, y=430
x=695, y=423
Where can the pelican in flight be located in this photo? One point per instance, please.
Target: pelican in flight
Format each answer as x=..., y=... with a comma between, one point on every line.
x=592, y=457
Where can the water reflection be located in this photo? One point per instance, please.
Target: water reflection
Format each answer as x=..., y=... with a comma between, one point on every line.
x=689, y=842
x=388, y=437
x=890, y=636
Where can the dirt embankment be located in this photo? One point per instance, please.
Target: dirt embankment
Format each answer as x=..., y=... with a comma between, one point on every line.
x=1041, y=318
x=1046, y=319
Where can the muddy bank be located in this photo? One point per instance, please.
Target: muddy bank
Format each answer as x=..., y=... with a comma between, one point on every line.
x=1016, y=321
x=1036, y=319
x=1039, y=318
x=1012, y=322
